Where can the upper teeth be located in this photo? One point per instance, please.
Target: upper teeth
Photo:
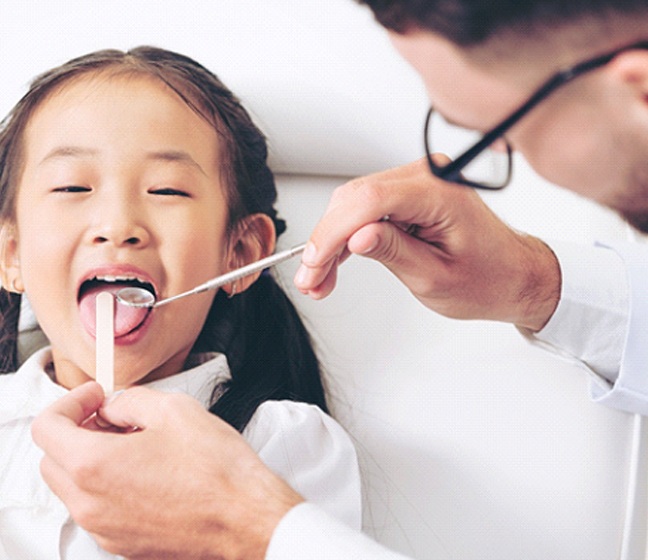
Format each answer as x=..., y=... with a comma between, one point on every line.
x=111, y=278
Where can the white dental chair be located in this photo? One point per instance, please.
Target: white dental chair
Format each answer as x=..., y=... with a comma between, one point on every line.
x=474, y=445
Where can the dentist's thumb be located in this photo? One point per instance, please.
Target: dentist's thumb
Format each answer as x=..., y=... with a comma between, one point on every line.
x=137, y=407
x=387, y=243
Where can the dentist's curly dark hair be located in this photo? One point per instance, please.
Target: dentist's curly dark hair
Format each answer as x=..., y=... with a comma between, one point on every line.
x=471, y=23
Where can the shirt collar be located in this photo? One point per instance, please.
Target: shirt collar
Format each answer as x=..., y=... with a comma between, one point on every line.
x=30, y=390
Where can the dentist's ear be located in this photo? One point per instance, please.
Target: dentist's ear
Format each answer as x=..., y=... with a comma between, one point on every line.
x=10, y=276
x=253, y=239
x=631, y=69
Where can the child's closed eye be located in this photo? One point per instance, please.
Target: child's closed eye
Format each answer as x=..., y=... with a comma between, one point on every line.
x=168, y=191
x=71, y=189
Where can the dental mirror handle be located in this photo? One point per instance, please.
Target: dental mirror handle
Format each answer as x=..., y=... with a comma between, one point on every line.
x=237, y=274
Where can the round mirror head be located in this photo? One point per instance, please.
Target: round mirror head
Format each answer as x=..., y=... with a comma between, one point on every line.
x=135, y=297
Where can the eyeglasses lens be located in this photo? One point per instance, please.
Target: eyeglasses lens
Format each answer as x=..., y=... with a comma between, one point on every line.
x=490, y=169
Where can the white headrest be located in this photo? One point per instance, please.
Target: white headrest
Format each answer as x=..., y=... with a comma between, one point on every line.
x=320, y=78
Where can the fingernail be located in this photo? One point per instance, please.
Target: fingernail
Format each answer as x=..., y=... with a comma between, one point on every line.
x=112, y=397
x=310, y=253
x=369, y=248
x=101, y=421
x=300, y=275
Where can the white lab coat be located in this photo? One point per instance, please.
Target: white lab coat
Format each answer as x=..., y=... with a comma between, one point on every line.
x=601, y=323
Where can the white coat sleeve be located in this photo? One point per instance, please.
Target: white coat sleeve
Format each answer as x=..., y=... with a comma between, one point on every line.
x=306, y=531
x=601, y=322
x=312, y=453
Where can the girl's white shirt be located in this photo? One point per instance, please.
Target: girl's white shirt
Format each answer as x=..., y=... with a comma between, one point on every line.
x=299, y=442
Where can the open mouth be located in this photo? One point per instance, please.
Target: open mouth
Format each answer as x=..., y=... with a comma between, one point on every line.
x=127, y=319
x=112, y=284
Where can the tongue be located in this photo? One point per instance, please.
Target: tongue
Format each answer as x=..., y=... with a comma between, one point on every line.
x=126, y=318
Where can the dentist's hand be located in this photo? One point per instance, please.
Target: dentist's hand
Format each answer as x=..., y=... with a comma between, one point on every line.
x=458, y=258
x=186, y=485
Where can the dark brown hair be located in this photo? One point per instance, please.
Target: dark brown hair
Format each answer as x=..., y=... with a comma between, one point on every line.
x=471, y=22
x=267, y=347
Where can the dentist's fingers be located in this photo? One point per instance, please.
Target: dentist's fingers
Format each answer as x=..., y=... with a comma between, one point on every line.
x=422, y=267
x=446, y=245
x=398, y=194
x=328, y=276
x=60, y=431
x=61, y=480
x=145, y=408
x=223, y=480
x=389, y=244
x=57, y=426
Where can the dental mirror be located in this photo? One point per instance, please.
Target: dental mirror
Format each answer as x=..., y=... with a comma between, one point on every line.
x=140, y=297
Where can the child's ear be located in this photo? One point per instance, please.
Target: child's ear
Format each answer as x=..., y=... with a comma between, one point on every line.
x=254, y=239
x=10, y=276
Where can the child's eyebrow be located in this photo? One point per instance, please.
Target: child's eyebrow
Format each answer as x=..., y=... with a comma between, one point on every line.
x=68, y=151
x=173, y=156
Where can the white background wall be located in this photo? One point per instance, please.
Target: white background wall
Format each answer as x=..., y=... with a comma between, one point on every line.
x=474, y=445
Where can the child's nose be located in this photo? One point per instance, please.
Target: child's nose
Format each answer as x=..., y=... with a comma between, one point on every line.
x=120, y=239
x=120, y=226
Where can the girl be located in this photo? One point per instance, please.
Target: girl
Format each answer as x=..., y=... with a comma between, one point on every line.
x=142, y=168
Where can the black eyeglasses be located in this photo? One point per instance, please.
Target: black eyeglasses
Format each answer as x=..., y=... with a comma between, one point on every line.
x=469, y=168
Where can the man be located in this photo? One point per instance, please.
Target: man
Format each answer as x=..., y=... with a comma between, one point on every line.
x=491, y=66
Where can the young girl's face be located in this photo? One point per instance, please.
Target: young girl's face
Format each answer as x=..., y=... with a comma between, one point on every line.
x=121, y=179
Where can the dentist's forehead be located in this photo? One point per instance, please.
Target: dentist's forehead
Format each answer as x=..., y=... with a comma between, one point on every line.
x=466, y=92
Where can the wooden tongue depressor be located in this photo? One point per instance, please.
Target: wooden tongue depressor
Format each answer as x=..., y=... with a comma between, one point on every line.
x=105, y=342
